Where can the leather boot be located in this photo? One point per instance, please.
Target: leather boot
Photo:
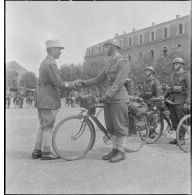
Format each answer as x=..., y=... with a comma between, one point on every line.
x=173, y=141
x=48, y=156
x=118, y=157
x=36, y=154
x=110, y=154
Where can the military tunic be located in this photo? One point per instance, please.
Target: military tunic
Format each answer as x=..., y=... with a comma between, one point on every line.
x=48, y=98
x=116, y=95
x=178, y=93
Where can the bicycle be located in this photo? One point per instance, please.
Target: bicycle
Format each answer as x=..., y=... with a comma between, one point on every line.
x=184, y=126
x=73, y=137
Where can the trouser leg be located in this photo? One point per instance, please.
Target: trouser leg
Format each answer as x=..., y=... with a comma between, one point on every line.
x=180, y=115
x=47, y=136
x=173, y=116
x=121, y=142
x=39, y=138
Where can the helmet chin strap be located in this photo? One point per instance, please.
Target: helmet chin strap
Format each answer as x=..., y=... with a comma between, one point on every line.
x=176, y=70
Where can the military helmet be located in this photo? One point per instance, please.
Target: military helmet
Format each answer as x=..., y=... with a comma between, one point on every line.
x=150, y=68
x=178, y=60
x=114, y=42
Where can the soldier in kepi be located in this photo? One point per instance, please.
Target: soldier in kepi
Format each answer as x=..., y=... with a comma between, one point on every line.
x=48, y=100
x=178, y=94
x=116, y=99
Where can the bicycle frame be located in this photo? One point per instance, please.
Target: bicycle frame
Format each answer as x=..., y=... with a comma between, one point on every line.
x=97, y=122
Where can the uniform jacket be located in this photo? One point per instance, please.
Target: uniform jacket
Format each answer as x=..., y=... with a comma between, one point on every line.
x=48, y=96
x=151, y=88
x=116, y=74
x=183, y=80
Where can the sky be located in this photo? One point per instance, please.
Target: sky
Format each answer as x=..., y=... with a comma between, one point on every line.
x=78, y=25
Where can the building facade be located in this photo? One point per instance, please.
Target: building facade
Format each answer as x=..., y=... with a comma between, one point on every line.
x=151, y=42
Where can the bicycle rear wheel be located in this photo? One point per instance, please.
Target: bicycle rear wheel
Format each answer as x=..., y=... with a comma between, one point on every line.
x=73, y=137
x=137, y=139
x=183, y=133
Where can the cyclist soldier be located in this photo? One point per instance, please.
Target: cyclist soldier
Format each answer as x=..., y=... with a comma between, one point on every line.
x=48, y=100
x=151, y=88
x=178, y=94
x=115, y=99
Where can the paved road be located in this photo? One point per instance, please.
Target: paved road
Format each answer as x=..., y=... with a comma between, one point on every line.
x=157, y=168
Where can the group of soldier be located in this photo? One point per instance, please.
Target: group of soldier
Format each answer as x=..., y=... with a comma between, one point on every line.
x=115, y=99
x=18, y=100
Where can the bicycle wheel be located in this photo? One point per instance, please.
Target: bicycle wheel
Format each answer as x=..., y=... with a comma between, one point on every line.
x=137, y=139
x=156, y=126
x=73, y=137
x=183, y=133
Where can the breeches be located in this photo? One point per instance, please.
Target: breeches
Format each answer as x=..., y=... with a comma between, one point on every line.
x=116, y=118
x=176, y=113
x=47, y=118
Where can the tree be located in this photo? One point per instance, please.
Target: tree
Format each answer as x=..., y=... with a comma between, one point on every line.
x=29, y=80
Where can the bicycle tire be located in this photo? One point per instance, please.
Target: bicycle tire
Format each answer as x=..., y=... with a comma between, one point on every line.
x=136, y=140
x=67, y=143
x=182, y=142
x=156, y=134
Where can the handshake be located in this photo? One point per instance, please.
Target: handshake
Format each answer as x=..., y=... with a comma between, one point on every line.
x=75, y=84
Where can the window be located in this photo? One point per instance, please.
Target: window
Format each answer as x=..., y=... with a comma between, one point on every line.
x=165, y=50
x=141, y=39
x=165, y=32
x=130, y=41
x=121, y=44
x=89, y=51
x=152, y=36
x=139, y=54
x=152, y=52
x=180, y=28
x=129, y=56
x=96, y=49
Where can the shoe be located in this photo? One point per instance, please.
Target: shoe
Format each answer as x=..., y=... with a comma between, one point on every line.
x=48, y=156
x=36, y=154
x=118, y=157
x=173, y=141
x=110, y=154
x=152, y=135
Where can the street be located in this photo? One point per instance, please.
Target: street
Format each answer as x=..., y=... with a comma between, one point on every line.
x=156, y=168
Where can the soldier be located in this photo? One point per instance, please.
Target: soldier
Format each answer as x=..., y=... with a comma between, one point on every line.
x=151, y=88
x=115, y=99
x=178, y=94
x=48, y=100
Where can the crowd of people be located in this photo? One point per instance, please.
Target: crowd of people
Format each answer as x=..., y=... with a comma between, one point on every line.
x=18, y=99
x=115, y=99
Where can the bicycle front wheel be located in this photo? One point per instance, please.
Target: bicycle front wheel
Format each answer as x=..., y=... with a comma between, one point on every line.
x=156, y=126
x=183, y=133
x=73, y=137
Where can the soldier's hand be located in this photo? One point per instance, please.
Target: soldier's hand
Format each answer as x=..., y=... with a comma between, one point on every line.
x=79, y=83
x=186, y=107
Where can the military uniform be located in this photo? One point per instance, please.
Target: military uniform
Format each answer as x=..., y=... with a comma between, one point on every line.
x=116, y=95
x=151, y=89
x=178, y=94
x=48, y=101
x=129, y=84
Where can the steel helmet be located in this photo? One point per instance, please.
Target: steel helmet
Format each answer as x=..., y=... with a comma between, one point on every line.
x=150, y=68
x=178, y=60
x=114, y=42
